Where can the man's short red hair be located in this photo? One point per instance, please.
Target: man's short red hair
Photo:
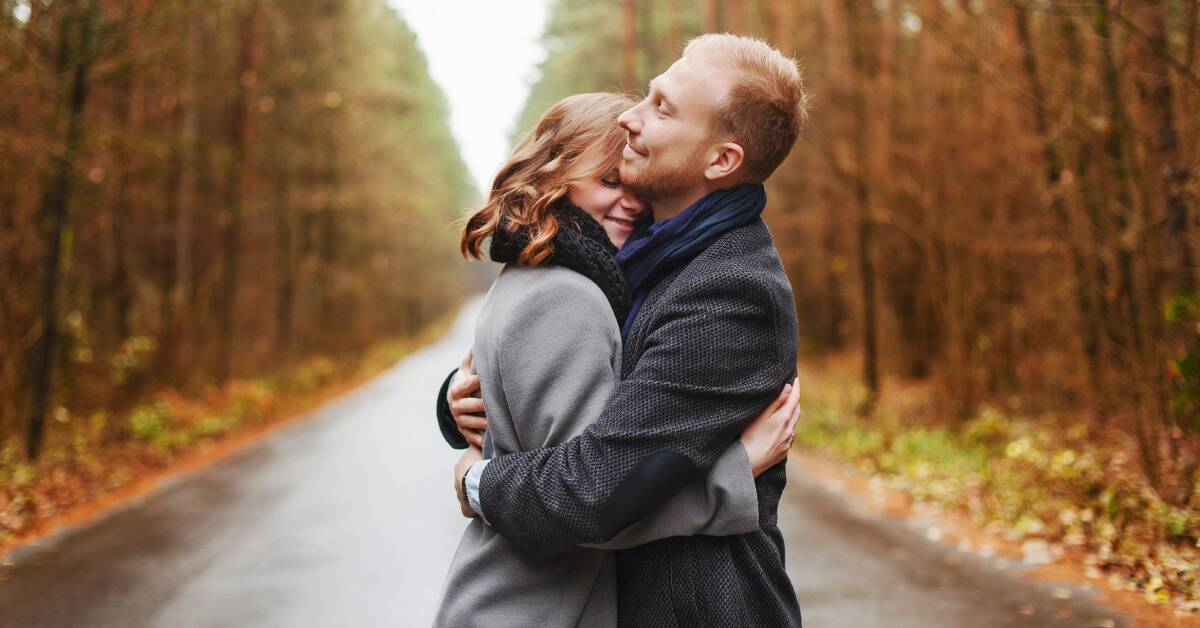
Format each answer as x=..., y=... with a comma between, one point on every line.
x=767, y=105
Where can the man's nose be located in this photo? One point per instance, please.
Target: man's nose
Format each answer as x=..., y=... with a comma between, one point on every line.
x=628, y=120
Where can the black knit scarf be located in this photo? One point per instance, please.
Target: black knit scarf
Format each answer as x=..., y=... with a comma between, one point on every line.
x=581, y=245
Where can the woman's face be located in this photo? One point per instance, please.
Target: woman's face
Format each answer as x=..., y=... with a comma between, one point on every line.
x=604, y=199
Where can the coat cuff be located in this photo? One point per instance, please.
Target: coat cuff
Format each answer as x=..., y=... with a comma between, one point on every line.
x=732, y=481
x=445, y=419
x=471, y=486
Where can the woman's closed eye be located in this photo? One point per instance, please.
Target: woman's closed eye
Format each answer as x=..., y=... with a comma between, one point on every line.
x=611, y=179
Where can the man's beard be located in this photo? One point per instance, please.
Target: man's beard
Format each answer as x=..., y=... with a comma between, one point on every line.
x=656, y=182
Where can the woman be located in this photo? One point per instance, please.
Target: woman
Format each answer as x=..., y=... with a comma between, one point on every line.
x=555, y=217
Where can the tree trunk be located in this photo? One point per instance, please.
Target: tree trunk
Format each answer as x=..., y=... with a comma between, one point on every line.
x=713, y=18
x=188, y=193
x=1089, y=226
x=780, y=23
x=1166, y=166
x=1138, y=361
x=239, y=132
x=1117, y=147
x=1166, y=252
x=120, y=289
x=863, y=68
x=167, y=245
x=833, y=270
x=1193, y=20
x=629, y=23
x=673, y=37
x=287, y=267
x=75, y=57
x=327, y=250
x=1054, y=166
x=735, y=16
x=648, y=42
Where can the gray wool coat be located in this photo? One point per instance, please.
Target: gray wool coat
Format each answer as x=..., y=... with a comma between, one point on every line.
x=548, y=354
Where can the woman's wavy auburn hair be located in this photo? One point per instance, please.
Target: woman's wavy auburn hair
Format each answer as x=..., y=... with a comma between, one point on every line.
x=577, y=132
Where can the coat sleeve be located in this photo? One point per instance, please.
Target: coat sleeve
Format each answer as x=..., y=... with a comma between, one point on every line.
x=720, y=503
x=712, y=362
x=445, y=419
x=558, y=369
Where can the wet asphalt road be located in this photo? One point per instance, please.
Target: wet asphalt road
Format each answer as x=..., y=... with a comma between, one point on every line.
x=348, y=519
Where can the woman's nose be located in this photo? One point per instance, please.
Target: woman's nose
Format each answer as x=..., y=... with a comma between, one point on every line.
x=631, y=203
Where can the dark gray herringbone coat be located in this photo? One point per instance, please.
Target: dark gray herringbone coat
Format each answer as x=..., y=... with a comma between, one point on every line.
x=713, y=344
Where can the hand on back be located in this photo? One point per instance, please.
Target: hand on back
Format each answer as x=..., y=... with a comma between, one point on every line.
x=769, y=437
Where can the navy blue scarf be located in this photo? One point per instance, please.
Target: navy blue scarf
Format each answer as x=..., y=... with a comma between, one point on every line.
x=664, y=246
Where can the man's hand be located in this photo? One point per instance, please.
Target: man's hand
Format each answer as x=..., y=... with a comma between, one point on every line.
x=769, y=438
x=472, y=455
x=465, y=403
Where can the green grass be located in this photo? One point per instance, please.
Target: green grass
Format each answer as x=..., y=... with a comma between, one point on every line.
x=1032, y=477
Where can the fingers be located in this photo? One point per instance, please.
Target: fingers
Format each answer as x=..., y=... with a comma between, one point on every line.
x=771, y=410
x=474, y=437
x=778, y=411
x=782, y=398
x=468, y=405
x=789, y=415
x=471, y=422
x=793, y=400
x=468, y=359
x=463, y=386
x=790, y=391
x=794, y=421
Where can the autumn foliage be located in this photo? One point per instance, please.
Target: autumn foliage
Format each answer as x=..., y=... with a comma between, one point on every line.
x=194, y=192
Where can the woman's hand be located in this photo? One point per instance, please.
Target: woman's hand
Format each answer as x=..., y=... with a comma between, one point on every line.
x=769, y=438
x=465, y=403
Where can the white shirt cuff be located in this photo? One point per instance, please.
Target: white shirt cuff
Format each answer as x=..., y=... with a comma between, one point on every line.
x=474, y=474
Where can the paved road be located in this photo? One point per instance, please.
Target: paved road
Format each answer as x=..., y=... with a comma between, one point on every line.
x=348, y=519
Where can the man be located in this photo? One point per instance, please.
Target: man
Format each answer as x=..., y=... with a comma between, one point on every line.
x=710, y=340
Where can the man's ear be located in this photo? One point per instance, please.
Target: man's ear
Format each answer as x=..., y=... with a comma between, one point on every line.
x=724, y=162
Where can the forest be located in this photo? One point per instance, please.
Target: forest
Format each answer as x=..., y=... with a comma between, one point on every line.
x=195, y=192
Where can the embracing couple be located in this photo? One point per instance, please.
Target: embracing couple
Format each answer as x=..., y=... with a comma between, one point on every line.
x=636, y=359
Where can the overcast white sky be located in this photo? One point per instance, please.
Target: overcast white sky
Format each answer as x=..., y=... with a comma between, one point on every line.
x=484, y=54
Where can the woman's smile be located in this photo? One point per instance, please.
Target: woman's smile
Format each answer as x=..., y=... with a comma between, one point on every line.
x=623, y=224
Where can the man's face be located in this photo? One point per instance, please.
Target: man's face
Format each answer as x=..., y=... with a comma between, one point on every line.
x=670, y=132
